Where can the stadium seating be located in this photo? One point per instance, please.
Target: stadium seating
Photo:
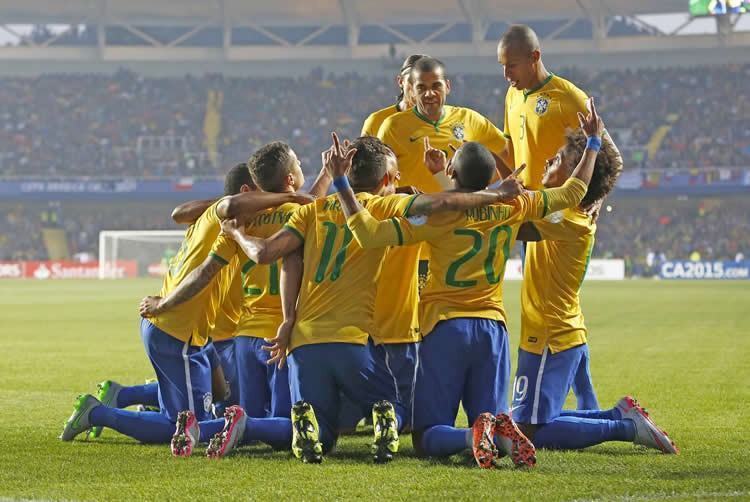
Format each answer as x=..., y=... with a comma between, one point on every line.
x=126, y=124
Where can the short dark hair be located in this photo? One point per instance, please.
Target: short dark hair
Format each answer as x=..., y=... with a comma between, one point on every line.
x=428, y=64
x=521, y=35
x=369, y=164
x=606, y=169
x=474, y=166
x=405, y=71
x=270, y=165
x=236, y=177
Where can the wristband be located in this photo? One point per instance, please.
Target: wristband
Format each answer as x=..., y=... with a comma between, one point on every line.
x=341, y=183
x=594, y=143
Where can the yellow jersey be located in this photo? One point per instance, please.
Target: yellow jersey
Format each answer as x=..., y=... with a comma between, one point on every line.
x=193, y=320
x=339, y=281
x=468, y=251
x=229, y=313
x=554, y=269
x=536, y=121
x=375, y=120
x=404, y=133
x=397, y=299
x=260, y=314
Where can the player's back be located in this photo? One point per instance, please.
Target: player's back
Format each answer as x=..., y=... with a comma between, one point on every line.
x=467, y=264
x=553, y=273
x=193, y=319
x=229, y=288
x=337, y=296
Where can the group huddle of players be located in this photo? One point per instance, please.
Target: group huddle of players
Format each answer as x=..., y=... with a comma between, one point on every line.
x=287, y=317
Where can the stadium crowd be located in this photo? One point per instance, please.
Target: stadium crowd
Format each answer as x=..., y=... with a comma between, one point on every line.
x=643, y=231
x=68, y=125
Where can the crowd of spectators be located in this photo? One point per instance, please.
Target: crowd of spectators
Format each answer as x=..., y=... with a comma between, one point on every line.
x=642, y=231
x=99, y=125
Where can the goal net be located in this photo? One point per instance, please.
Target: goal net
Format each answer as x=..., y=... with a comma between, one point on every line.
x=151, y=250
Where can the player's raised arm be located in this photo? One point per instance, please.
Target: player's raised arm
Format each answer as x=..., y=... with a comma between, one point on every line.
x=188, y=212
x=322, y=183
x=290, y=283
x=245, y=204
x=193, y=284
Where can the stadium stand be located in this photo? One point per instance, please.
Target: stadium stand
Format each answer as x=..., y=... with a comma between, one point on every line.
x=126, y=124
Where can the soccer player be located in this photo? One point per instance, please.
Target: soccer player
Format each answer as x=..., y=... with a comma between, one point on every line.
x=553, y=333
x=326, y=335
x=176, y=341
x=404, y=101
x=393, y=344
x=222, y=335
x=539, y=108
x=464, y=355
x=431, y=118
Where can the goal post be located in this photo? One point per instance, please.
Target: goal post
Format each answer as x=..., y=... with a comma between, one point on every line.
x=149, y=249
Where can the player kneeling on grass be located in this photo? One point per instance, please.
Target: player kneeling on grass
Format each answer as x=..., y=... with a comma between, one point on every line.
x=553, y=334
x=464, y=356
x=176, y=340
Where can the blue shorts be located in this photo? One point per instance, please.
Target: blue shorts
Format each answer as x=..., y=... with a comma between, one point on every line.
x=461, y=360
x=391, y=377
x=225, y=355
x=182, y=371
x=263, y=388
x=542, y=384
x=320, y=373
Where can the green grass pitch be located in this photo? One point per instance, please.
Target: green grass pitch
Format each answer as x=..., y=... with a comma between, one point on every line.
x=682, y=348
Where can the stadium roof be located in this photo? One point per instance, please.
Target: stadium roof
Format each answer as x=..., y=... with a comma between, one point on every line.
x=287, y=12
x=232, y=31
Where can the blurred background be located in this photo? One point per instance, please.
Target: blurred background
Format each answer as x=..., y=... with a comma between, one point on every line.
x=112, y=112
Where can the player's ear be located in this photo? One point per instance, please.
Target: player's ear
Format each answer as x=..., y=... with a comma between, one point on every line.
x=399, y=81
x=290, y=180
x=536, y=55
x=447, y=86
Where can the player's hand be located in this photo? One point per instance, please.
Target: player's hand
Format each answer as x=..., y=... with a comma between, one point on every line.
x=593, y=210
x=449, y=166
x=591, y=124
x=409, y=190
x=230, y=227
x=511, y=187
x=149, y=306
x=277, y=346
x=338, y=159
x=434, y=159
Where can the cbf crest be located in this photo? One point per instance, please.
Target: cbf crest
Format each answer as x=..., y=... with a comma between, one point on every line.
x=458, y=131
x=542, y=104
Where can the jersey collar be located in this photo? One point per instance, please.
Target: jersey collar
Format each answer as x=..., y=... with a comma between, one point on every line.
x=541, y=84
x=435, y=124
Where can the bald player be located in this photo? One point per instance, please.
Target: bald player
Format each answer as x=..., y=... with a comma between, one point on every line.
x=404, y=101
x=540, y=107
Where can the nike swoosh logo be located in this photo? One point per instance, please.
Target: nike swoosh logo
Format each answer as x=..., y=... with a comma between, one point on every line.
x=415, y=139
